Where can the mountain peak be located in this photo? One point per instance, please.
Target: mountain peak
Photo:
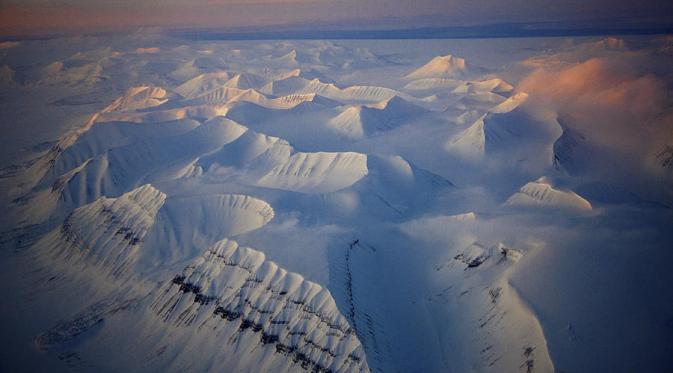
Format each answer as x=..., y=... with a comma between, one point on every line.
x=440, y=67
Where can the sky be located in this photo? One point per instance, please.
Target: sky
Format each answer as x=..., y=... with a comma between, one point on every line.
x=26, y=16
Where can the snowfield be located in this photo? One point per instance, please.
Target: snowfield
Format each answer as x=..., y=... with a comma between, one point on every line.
x=336, y=206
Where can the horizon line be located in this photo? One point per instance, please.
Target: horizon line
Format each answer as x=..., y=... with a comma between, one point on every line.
x=490, y=31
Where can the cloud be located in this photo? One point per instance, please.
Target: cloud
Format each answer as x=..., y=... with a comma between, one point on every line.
x=615, y=96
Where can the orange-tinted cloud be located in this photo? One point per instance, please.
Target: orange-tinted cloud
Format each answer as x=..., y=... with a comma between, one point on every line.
x=616, y=100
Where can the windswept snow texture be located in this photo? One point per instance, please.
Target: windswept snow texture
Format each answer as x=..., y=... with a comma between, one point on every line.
x=336, y=206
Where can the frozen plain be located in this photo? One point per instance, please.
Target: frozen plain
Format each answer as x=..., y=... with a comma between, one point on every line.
x=493, y=205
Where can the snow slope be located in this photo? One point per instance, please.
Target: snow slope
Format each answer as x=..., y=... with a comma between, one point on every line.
x=358, y=121
x=102, y=241
x=299, y=85
x=491, y=130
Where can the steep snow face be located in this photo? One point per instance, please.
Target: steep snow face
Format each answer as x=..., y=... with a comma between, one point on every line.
x=358, y=121
x=440, y=67
x=570, y=149
x=289, y=59
x=461, y=87
x=481, y=322
x=253, y=114
x=203, y=84
x=229, y=95
x=494, y=85
x=488, y=130
x=510, y=104
x=469, y=314
x=102, y=241
x=224, y=95
x=299, y=85
x=490, y=303
x=470, y=143
x=120, y=169
x=139, y=98
x=55, y=163
x=350, y=122
x=39, y=167
x=508, y=134
x=245, y=81
x=223, y=214
x=541, y=193
x=272, y=163
x=109, y=160
x=103, y=137
x=391, y=187
x=286, y=322
x=316, y=172
x=251, y=148
x=187, y=224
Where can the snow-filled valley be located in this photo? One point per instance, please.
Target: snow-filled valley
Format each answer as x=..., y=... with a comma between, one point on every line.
x=476, y=205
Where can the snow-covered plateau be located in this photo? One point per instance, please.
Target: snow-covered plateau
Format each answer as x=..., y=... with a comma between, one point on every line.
x=475, y=205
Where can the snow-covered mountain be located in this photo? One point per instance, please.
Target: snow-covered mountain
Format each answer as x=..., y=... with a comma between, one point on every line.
x=335, y=206
x=360, y=120
x=440, y=67
x=230, y=293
